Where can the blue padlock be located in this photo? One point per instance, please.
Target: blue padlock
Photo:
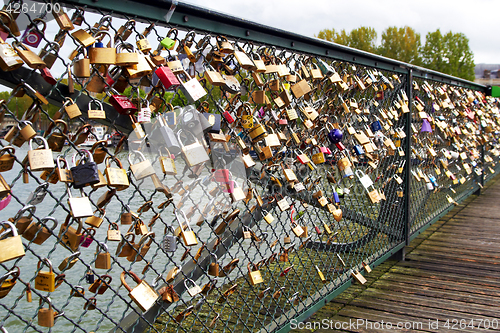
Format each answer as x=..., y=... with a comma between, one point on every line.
x=375, y=126
x=336, y=197
x=358, y=149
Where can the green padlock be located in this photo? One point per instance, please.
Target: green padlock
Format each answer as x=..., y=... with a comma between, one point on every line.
x=169, y=41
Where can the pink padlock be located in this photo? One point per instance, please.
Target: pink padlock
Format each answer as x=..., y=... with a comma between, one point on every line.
x=325, y=150
x=87, y=240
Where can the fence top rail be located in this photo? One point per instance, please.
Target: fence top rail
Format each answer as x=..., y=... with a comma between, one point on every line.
x=200, y=18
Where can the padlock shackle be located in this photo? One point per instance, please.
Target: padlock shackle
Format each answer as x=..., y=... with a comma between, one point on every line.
x=36, y=139
x=14, y=272
x=11, y=229
x=46, y=262
x=30, y=208
x=69, y=216
x=134, y=277
x=49, y=218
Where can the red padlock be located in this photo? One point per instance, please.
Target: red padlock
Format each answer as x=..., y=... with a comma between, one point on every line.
x=222, y=176
x=340, y=146
x=122, y=104
x=228, y=117
x=167, y=77
x=380, y=95
x=47, y=76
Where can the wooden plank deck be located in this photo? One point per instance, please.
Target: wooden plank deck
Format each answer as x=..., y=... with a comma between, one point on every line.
x=448, y=282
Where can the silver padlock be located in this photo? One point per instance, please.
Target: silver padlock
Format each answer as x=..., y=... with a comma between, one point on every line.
x=169, y=242
x=364, y=179
x=169, y=137
x=37, y=196
x=80, y=206
x=194, y=290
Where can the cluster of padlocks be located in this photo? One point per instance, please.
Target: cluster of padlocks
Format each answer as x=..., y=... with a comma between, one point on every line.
x=280, y=149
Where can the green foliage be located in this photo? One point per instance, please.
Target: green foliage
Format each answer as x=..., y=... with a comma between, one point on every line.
x=449, y=53
x=362, y=38
x=402, y=44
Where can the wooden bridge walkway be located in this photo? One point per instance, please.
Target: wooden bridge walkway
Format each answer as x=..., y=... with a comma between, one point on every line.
x=449, y=281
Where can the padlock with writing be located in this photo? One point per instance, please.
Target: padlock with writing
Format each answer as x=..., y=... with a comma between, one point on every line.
x=45, y=281
x=117, y=177
x=40, y=159
x=71, y=238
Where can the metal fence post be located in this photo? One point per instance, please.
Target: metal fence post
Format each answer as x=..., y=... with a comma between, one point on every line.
x=407, y=170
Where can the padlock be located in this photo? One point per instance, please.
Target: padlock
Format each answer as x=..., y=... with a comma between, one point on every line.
x=22, y=221
x=254, y=274
x=344, y=166
x=47, y=316
x=121, y=103
x=9, y=59
x=142, y=169
x=318, y=158
x=4, y=188
x=169, y=243
x=81, y=67
x=70, y=237
x=194, y=290
x=99, y=113
x=9, y=16
x=103, y=55
x=57, y=136
x=87, y=239
x=213, y=268
x=126, y=58
x=103, y=260
x=83, y=37
x=169, y=41
x=188, y=236
x=191, y=89
x=167, y=77
x=297, y=229
x=144, y=114
x=283, y=204
x=12, y=247
x=113, y=235
x=84, y=171
x=71, y=108
x=167, y=162
x=40, y=159
x=49, y=54
x=126, y=245
x=62, y=19
x=33, y=35
x=38, y=232
x=90, y=304
x=36, y=197
x=194, y=153
x=79, y=206
x=117, y=177
x=143, y=295
x=142, y=43
x=364, y=179
x=45, y=281
x=6, y=283
x=7, y=158
x=69, y=262
x=29, y=57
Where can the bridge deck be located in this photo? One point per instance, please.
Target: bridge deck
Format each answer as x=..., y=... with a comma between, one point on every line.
x=450, y=275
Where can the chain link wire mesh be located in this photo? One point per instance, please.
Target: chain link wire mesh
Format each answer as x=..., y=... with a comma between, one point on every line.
x=348, y=199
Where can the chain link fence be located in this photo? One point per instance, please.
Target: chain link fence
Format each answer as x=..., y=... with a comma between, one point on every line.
x=237, y=184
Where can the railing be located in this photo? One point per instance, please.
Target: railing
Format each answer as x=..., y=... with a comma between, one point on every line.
x=425, y=140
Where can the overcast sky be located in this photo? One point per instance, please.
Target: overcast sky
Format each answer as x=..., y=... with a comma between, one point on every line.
x=478, y=19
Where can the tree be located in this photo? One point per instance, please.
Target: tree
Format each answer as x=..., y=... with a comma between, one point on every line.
x=327, y=34
x=402, y=44
x=449, y=54
x=362, y=38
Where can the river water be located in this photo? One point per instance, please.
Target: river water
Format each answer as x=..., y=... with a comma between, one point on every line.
x=16, y=314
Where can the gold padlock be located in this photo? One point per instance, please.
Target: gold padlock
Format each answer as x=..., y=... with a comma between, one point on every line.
x=12, y=247
x=142, y=295
x=117, y=177
x=254, y=274
x=45, y=281
x=103, y=55
x=189, y=237
x=29, y=57
x=103, y=260
x=83, y=37
x=7, y=284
